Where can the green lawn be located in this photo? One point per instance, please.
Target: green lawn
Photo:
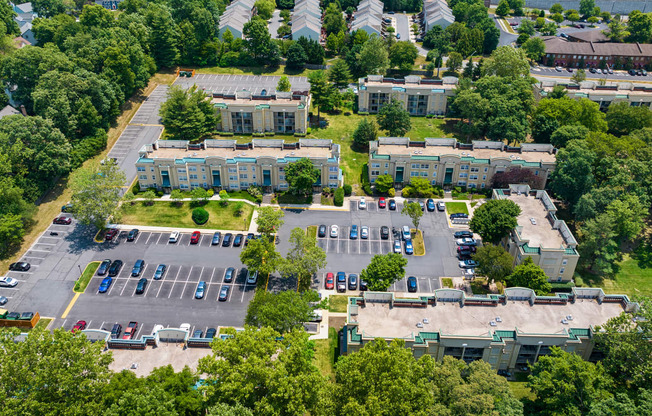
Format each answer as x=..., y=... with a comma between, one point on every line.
x=337, y=303
x=311, y=231
x=168, y=214
x=417, y=240
x=241, y=195
x=327, y=200
x=520, y=390
x=447, y=282
x=326, y=353
x=288, y=198
x=89, y=272
x=631, y=279
x=456, y=207
x=43, y=323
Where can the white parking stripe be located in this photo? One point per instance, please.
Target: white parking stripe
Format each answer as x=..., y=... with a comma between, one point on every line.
x=137, y=237
x=175, y=281
x=186, y=284
x=150, y=236
x=159, y=238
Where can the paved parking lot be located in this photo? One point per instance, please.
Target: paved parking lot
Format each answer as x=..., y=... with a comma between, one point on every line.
x=229, y=84
x=343, y=244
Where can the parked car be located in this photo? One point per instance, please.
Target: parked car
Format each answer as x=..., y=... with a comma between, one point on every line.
x=335, y=230
x=210, y=333
x=409, y=248
x=363, y=285
x=115, y=268
x=130, y=331
x=430, y=204
x=459, y=215
x=317, y=316
x=157, y=328
x=362, y=204
x=66, y=208
x=468, y=264
x=226, y=241
x=21, y=266
x=610, y=71
x=397, y=247
x=504, y=373
x=466, y=242
x=237, y=241
x=341, y=282
x=249, y=237
x=201, y=289
x=105, y=285
x=252, y=278
x=392, y=205
x=592, y=70
x=412, y=284
x=632, y=72
x=116, y=331
x=354, y=232
x=559, y=69
x=382, y=203
x=463, y=234
x=104, y=267
x=160, y=271
x=466, y=248
x=198, y=333
x=643, y=72
x=62, y=221
x=138, y=268
x=217, y=237
x=79, y=326
x=224, y=293
x=185, y=327
x=604, y=71
x=353, y=281
x=194, y=237
x=329, y=283
x=569, y=69
x=321, y=232
x=441, y=206
x=111, y=233
x=142, y=284
x=174, y=237
x=405, y=233
x=422, y=205
x=384, y=232
x=229, y=275
x=132, y=234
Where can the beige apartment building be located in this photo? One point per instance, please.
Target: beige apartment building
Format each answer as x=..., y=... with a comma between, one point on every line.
x=420, y=96
x=508, y=331
x=226, y=164
x=447, y=163
x=539, y=234
x=633, y=94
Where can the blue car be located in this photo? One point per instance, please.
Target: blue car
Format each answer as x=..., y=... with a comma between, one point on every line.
x=430, y=204
x=412, y=284
x=354, y=232
x=201, y=288
x=409, y=249
x=106, y=283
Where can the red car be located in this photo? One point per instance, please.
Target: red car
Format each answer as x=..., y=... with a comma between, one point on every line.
x=382, y=203
x=194, y=238
x=330, y=281
x=62, y=221
x=79, y=326
x=130, y=331
x=110, y=234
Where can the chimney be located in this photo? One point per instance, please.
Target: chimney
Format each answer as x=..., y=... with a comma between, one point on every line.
x=23, y=110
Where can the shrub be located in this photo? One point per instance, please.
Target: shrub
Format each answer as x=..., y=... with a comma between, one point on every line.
x=159, y=193
x=338, y=199
x=407, y=192
x=226, y=133
x=326, y=191
x=367, y=189
x=136, y=188
x=258, y=134
x=224, y=198
x=391, y=193
x=210, y=193
x=199, y=216
x=363, y=113
x=308, y=130
x=347, y=190
x=270, y=133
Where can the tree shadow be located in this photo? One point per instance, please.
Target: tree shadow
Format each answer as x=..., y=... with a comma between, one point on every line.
x=451, y=128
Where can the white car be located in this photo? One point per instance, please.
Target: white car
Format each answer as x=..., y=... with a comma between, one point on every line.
x=397, y=247
x=466, y=242
x=362, y=204
x=157, y=328
x=174, y=236
x=406, y=233
x=364, y=232
x=335, y=230
x=252, y=278
x=186, y=327
x=7, y=281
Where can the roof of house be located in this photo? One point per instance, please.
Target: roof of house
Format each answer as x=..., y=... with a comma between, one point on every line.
x=237, y=14
x=589, y=36
x=8, y=111
x=306, y=21
x=21, y=42
x=24, y=8
x=557, y=46
x=369, y=14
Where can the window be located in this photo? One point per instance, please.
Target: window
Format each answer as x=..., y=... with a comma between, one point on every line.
x=242, y=168
x=181, y=170
x=140, y=169
x=244, y=184
x=386, y=172
x=203, y=169
x=281, y=169
x=564, y=262
x=373, y=165
x=484, y=177
x=425, y=166
x=373, y=180
x=332, y=184
x=336, y=169
x=334, y=177
x=482, y=186
x=193, y=176
x=434, y=174
x=283, y=186
x=253, y=176
x=424, y=174
x=472, y=185
x=194, y=185
x=486, y=170
x=473, y=177
x=253, y=168
x=536, y=173
x=183, y=178
x=153, y=177
x=464, y=167
x=205, y=185
x=386, y=165
x=415, y=166
x=414, y=174
x=243, y=176
x=463, y=175
x=233, y=178
x=183, y=186
x=203, y=177
x=434, y=182
x=561, y=271
x=281, y=177
x=143, y=177
x=192, y=168
x=461, y=183
x=475, y=169
x=151, y=169
x=373, y=173
x=233, y=170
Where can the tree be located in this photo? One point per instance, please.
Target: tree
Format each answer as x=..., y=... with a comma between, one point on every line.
x=177, y=196
x=260, y=256
x=413, y=210
x=65, y=373
x=301, y=176
x=566, y=384
x=454, y=61
x=269, y=220
x=285, y=15
x=199, y=195
x=549, y=28
x=383, y=271
x=304, y=259
x=529, y=275
x=147, y=401
x=394, y=118
x=283, y=84
x=282, y=311
x=321, y=90
x=623, y=119
x=565, y=134
x=573, y=17
x=495, y=219
x=557, y=18
x=578, y=76
x=617, y=31
x=503, y=8
x=12, y=230
x=257, y=39
x=493, y=262
x=187, y=114
x=573, y=175
x=223, y=409
x=224, y=198
x=569, y=111
x=384, y=183
x=48, y=8
x=586, y=7
x=365, y=132
x=599, y=249
x=535, y=48
x=402, y=55
x=333, y=19
x=527, y=27
x=265, y=8
x=264, y=371
x=556, y=8
x=96, y=193
x=508, y=62
x=296, y=56
x=163, y=35
x=628, y=213
x=373, y=58
x=339, y=74
x=639, y=26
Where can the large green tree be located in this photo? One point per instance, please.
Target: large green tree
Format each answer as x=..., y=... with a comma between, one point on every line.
x=495, y=219
x=304, y=259
x=260, y=256
x=321, y=90
x=373, y=57
x=413, y=210
x=573, y=175
x=493, y=262
x=163, y=35
x=282, y=311
x=187, y=114
x=529, y=275
x=508, y=62
x=624, y=119
x=384, y=270
x=402, y=55
x=269, y=220
x=394, y=118
x=365, y=132
x=301, y=176
x=339, y=74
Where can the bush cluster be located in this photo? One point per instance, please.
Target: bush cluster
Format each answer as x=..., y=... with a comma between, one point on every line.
x=338, y=199
x=199, y=216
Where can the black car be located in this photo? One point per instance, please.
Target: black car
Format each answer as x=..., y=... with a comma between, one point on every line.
x=504, y=373
x=115, y=268
x=198, y=333
x=132, y=234
x=384, y=232
x=463, y=234
x=116, y=331
x=412, y=284
x=224, y=293
x=210, y=333
x=464, y=254
x=250, y=236
x=322, y=231
x=21, y=266
x=237, y=241
x=363, y=285
x=104, y=267
x=459, y=215
x=142, y=284
x=353, y=281
x=226, y=242
x=229, y=275
x=392, y=205
x=341, y=282
x=430, y=204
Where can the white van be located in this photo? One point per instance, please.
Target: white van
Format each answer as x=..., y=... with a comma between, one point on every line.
x=156, y=329
x=174, y=236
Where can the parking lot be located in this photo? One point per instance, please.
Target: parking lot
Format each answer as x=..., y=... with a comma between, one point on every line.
x=343, y=244
x=230, y=84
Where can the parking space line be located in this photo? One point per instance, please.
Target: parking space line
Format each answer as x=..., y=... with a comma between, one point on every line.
x=137, y=237
x=186, y=284
x=429, y=285
x=175, y=280
x=159, y=238
x=244, y=290
x=140, y=327
x=150, y=236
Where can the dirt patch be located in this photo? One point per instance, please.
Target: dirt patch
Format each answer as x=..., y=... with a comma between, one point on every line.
x=336, y=322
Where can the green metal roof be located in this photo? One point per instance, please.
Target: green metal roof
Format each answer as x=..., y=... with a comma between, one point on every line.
x=425, y=157
x=375, y=155
x=145, y=160
x=570, y=250
x=530, y=250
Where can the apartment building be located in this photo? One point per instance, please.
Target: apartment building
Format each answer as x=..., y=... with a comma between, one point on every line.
x=369, y=17
x=236, y=15
x=590, y=54
x=306, y=20
x=226, y=164
x=436, y=13
x=633, y=94
x=419, y=96
x=508, y=331
x=447, y=163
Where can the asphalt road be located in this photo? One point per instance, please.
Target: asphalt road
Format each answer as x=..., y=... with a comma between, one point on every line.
x=275, y=23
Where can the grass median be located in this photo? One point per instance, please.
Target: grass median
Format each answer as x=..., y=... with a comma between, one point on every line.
x=171, y=214
x=456, y=208
x=89, y=272
x=417, y=242
x=311, y=231
x=337, y=303
x=326, y=353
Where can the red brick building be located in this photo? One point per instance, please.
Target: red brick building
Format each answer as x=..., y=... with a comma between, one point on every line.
x=560, y=52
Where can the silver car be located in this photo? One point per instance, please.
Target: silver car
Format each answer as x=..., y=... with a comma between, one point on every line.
x=335, y=230
x=364, y=232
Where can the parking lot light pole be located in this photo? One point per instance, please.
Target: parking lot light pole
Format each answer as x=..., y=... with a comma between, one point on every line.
x=536, y=357
x=80, y=270
x=464, y=350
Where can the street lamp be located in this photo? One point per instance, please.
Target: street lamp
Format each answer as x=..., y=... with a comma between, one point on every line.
x=464, y=350
x=80, y=270
x=536, y=358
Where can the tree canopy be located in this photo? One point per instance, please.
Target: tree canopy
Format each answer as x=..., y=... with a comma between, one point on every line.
x=529, y=275
x=301, y=176
x=495, y=219
x=304, y=259
x=394, y=118
x=282, y=311
x=383, y=271
x=188, y=114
